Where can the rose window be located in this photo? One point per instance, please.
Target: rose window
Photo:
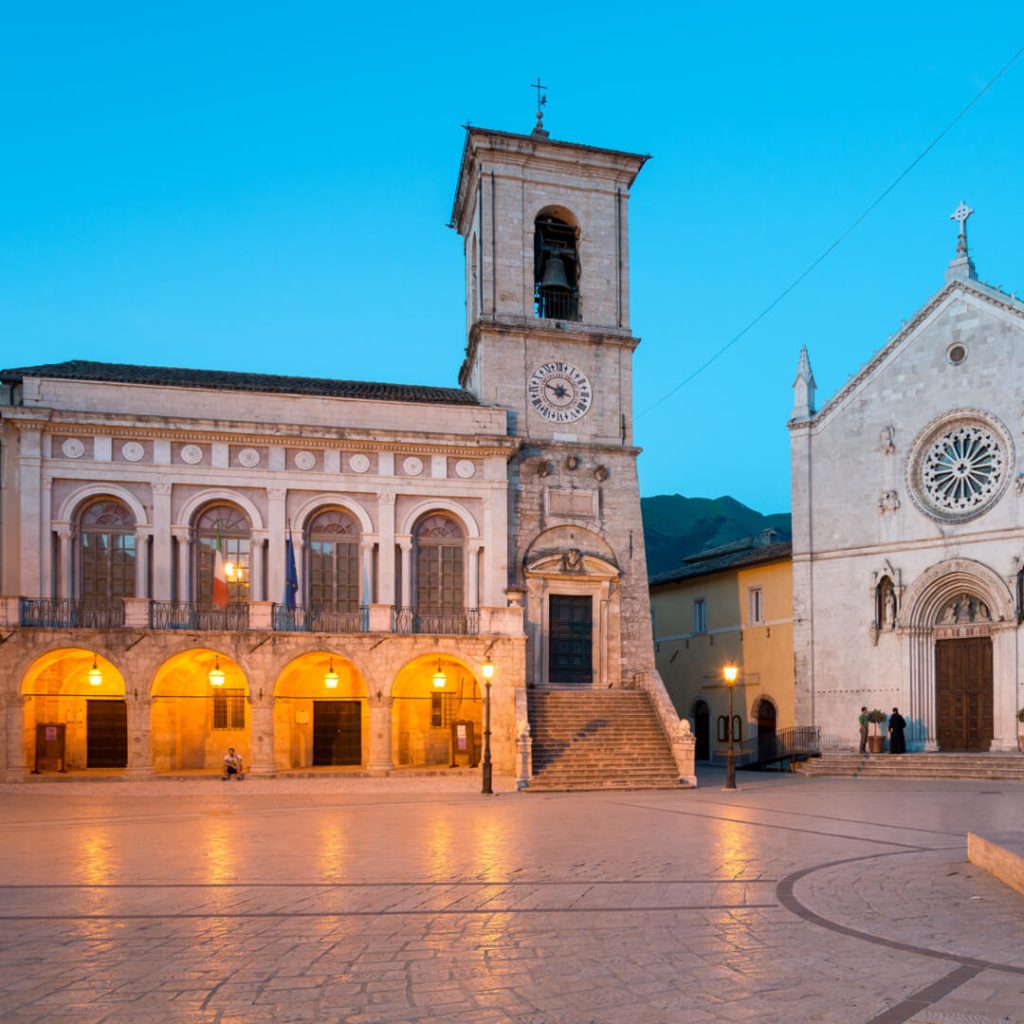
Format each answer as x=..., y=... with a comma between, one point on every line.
x=962, y=470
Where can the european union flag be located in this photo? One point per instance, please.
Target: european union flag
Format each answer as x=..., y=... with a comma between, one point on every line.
x=291, y=577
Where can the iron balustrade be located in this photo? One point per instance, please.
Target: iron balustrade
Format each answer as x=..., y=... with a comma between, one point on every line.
x=784, y=745
x=554, y=305
x=408, y=620
x=70, y=613
x=320, y=620
x=189, y=615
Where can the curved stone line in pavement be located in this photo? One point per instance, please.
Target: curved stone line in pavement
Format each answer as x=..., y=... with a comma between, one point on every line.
x=787, y=898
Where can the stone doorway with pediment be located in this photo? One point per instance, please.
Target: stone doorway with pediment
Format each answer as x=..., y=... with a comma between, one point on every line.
x=964, y=703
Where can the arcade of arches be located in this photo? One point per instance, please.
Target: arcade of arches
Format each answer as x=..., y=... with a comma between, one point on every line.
x=79, y=710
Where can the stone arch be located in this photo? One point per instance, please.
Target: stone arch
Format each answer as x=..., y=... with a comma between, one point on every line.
x=214, y=495
x=454, y=508
x=58, y=700
x=309, y=508
x=559, y=539
x=936, y=586
x=72, y=505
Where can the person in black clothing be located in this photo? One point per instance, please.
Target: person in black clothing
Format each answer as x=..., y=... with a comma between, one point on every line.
x=897, y=723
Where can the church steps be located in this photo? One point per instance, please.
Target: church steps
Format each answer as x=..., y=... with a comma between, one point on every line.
x=598, y=739
x=1006, y=767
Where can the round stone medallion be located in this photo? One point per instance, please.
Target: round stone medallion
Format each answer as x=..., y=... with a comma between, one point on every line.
x=248, y=457
x=132, y=451
x=359, y=463
x=192, y=454
x=305, y=460
x=465, y=469
x=413, y=466
x=73, y=448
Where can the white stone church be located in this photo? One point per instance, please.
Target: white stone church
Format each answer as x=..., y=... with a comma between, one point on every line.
x=454, y=548
x=908, y=526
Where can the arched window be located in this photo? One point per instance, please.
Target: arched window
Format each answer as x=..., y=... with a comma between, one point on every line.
x=332, y=560
x=440, y=573
x=106, y=552
x=555, y=267
x=231, y=526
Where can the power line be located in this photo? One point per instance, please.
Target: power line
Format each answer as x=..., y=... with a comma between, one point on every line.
x=839, y=241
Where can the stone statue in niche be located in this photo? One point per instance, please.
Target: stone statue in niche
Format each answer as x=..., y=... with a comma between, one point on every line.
x=965, y=608
x=887, y=438
x=885, y=604
x=572, y=560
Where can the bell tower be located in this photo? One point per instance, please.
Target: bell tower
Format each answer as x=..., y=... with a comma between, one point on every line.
x=545, y=228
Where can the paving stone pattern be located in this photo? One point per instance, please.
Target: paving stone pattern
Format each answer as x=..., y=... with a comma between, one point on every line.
x=791, y=899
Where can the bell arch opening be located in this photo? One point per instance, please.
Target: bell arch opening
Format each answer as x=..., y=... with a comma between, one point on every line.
x=556, y=266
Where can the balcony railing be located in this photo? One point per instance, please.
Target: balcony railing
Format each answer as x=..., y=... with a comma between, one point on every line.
x=408, y=620
x=189, y=615
x=320, y=620
x=557, y=305
x=70, y=613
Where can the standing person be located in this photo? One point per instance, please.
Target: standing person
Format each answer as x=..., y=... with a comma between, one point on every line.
x=862, y=721
x=232, y=766
x=897, y=723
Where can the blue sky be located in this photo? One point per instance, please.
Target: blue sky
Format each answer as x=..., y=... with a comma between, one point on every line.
x=267, y=187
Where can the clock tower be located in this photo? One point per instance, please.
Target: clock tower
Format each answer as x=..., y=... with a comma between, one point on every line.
x=544, y=225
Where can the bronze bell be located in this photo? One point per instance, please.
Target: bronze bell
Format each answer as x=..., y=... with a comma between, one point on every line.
x=554, y=278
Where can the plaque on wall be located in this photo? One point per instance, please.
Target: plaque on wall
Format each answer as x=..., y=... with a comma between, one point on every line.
x=577, y=503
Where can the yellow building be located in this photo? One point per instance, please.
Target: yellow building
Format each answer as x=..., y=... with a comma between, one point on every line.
x=730, y=605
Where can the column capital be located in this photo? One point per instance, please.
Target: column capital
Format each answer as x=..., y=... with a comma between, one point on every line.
x=182, y=533
x=387, y=498
x=161, y=488
x=277, y=493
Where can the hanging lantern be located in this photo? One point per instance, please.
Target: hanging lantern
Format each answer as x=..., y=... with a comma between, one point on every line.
x=331, y=677
x=95, y=673
x=216, y=673
x=439, y=677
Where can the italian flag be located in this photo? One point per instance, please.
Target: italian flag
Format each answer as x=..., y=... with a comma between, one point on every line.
x=220, y=579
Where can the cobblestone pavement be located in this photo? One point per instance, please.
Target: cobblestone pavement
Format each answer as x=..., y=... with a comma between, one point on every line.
x=792, y=899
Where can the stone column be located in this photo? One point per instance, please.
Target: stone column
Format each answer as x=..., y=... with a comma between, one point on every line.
x=140, y=735
x=366, y=581
x=65, y=535
x=406, y=545
x=257, y=543
x=46, y=580
x=386, y=559
x=278, y=528
x=183, y=535
x=29, y=456
x=262, y=733
x=142, y=562
x=163, y=570
x=473, y=576
x=14, y=729
x=380, y=762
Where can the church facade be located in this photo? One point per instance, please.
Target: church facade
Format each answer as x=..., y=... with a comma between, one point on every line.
x=908, y=508
x=327, y=573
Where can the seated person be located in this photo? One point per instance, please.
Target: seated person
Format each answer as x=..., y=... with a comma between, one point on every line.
x=232, y=766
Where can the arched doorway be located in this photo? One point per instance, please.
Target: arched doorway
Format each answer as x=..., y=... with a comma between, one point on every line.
x=436, y=714
x=200, y=708
x=766, y=721
x=702, y=730
x=321, y=714
x=75, y=715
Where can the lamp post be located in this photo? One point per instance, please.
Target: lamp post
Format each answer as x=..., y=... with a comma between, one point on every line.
x=729, y=674
x=488, y=673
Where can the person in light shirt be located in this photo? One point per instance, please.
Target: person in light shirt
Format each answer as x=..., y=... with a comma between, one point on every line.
x=232, y=766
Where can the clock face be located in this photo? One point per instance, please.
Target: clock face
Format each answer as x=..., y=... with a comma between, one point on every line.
x=559, y=392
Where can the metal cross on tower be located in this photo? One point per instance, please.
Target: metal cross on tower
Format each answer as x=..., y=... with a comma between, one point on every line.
x=960, y=215
x=541, y=101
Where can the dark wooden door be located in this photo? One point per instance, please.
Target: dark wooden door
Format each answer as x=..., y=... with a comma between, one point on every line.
x=106, y=734
x=765, y=729
x=337, y=732
x=570, y=644
x=963, y=693
x=702, y=731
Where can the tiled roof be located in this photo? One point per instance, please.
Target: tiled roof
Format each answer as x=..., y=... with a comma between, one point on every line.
x=225, y=380
x=732, y=559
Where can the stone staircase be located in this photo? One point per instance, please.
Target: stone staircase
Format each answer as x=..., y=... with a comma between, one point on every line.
x=598, y=739
x=995, y=767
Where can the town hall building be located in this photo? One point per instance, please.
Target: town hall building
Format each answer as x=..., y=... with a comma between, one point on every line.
x=410, y=571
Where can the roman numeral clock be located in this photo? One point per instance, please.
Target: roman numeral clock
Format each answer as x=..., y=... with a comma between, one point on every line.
x=559, y=392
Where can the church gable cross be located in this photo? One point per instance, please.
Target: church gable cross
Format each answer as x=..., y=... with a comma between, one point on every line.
x=960, y=215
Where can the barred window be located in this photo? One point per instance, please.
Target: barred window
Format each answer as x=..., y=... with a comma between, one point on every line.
x=229, y=709
x=106, y=552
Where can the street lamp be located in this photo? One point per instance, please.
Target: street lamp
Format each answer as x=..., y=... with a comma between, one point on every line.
x=729, y=674
x=487, y=669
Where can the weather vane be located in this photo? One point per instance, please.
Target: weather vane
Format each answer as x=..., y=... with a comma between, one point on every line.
x=960, y=215
x=541, y=102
